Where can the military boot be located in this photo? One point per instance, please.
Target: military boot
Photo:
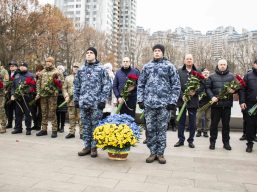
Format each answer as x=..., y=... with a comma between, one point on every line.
x=94, y=152
x=84, y=151
x=2, y=130
x=41, y=133
x=161, y=159
x=54, y=134
x=151, y=158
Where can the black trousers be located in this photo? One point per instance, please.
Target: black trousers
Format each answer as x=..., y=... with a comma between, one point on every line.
x=217, y=114
x=22, y=109
x=251, y=124
x=129, y=107
x=60, y=119
x=9, y=111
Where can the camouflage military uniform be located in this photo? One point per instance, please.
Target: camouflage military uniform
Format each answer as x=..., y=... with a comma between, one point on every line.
x=48, y=103
x=92, y=86
x=158, y=86
x=73, y=112
x=4, y=77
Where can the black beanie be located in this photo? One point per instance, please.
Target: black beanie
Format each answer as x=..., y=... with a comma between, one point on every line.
x=24, y=64
x=159, y=46
x=94, y=50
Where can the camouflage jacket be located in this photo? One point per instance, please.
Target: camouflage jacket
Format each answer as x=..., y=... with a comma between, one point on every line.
x=4, y=78
x=67, y=88
x=92, y=85
x=158, y=84
x=47, y=74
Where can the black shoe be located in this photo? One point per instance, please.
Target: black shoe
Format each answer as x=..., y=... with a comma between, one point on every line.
x=187, y=130
x=243, y=137
x=41, y=133
x=70, y=135
x=249, y=148
x=15, y=131
x=198, y=134
x=28, y=132
x=178, y=144
x=205, y=134
x=145, y=141
x=227, y=146
x=80, y=136
x=191, y=145
x=8, y=126
x=61, y=130
x=212, y=146
x=54, y=134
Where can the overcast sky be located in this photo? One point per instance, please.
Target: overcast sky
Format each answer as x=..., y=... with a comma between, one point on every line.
x=201, y=15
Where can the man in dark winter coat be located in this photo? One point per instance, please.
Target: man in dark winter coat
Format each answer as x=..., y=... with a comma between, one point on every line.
x=22, y=102
x=221, y=108
x=121, y=76
x=192, y=105
x=247, y=99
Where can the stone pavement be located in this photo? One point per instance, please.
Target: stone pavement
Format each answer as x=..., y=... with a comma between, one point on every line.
x=33, y=164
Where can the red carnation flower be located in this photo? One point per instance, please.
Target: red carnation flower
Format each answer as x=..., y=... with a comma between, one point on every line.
x=30, y=81
x=57, y=83
x=12, y=78
x=240, y=80
x=133, y=77
x=198, y=75
x=32, y=90
x=1, y=85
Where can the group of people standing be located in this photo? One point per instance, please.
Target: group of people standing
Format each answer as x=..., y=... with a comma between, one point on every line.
x=92, y=88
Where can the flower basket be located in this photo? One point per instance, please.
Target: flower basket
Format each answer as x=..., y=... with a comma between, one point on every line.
x=116, y=134
x=118, y=156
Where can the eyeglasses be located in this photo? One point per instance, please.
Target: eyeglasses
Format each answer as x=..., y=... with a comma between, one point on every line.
x=125, y=61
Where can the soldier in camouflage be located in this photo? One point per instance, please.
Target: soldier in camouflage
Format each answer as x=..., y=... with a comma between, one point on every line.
x=4, y=78
x=158, y=91
x=67, y=90
x=48, y=102
x=92, y=86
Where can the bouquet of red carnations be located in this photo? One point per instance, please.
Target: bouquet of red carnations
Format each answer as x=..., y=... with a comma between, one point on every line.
x=130, y=83
x=225, y=93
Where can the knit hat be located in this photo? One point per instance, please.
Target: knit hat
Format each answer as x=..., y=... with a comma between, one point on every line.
x=24, y=64
x=159, y=46
x=93, y=50
x=13, y=62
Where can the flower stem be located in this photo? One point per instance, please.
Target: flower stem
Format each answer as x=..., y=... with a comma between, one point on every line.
x=118, y=108
x=181, y=111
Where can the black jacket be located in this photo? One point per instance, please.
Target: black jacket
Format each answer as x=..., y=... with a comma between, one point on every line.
x=249, y=93
x=18, y=79
x=216, y=83
x=184, y=76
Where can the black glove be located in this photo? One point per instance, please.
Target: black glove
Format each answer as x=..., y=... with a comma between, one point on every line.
x=171, y=107
x=101, y=105
x=76, y=103
x=141, y=105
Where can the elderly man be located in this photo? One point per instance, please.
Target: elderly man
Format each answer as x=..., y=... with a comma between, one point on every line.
x=192, y=104
x=158, y=91
x=221, y=108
